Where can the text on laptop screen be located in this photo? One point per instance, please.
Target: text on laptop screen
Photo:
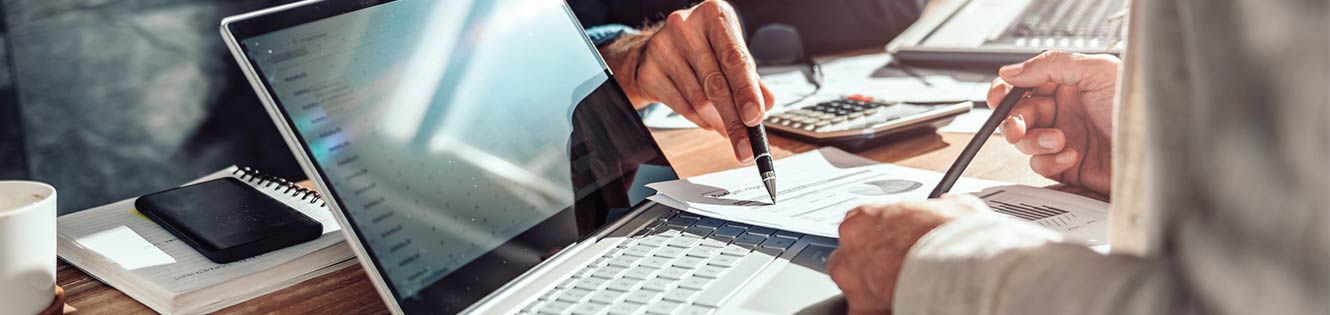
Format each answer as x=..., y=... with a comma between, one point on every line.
x=447, y=129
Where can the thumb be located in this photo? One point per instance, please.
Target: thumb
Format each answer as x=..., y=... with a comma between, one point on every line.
x=1061, y=68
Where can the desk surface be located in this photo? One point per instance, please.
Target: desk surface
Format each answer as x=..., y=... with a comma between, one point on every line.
x=692, y=152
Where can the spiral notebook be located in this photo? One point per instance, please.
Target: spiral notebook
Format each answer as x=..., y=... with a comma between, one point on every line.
x=120, y=247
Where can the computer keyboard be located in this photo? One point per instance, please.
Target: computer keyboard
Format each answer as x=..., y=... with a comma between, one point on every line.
x=1065, y=24
x=685, y=264
x=854, y=121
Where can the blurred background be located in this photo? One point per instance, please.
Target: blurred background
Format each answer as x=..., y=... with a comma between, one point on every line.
x=111, y=99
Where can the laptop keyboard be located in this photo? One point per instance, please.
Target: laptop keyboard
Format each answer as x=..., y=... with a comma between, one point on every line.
x=1066, y=24
x=684, y=264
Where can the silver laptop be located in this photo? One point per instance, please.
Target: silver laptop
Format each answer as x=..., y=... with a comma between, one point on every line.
x=998, y=32
x=484, y=161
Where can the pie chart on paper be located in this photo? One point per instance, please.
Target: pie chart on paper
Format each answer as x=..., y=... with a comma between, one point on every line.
x=885, y=187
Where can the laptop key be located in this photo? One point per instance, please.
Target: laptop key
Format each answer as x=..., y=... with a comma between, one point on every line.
x=699, y=231
x=653, y=241
x=695, y=283
x=592, y=283
x=749, y=240
x=639, y=273
x=723, y=260
x=680, y=294
x=555, y=307
x=585, y=272
x=778, y=243
x=681, y=222
x=658, y=284
x=710, y=222
x=642, y=296
x=655, y=262
x=673, y=273
x=662, y=307
x=684, y=242
x=606, y=297
x=711, y=242
x=709, y=271
x=703, y=252
x=694, y=310
x=721, y=289
x=625, y=308
x=760, y=230
x=567, y=283
x=728, y=231
x=669, y=252
x=788, y=234
x=574, y=295
x=623, y=285
x=609, y=272
x=588, y=308
x=623, y=262
x=638, y=251
x=734, y=250
x=687, y=262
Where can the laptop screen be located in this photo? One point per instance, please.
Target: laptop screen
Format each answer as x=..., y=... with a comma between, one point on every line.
x=464, y=140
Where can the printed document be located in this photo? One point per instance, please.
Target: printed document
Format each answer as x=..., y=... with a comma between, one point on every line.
x=817, y=188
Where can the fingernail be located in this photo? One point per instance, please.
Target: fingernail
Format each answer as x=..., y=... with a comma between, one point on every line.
x=1012, y=70
x=1047, y=141
x=744, y=151
x=1066, y=157
x=751, y=115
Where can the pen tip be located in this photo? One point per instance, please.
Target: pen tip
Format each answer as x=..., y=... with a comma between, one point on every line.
x=771, y=188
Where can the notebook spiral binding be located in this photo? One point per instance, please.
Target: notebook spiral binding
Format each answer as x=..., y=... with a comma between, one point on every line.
x=277, y=183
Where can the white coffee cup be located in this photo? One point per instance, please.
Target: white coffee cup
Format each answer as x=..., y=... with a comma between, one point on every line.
x=27, y=247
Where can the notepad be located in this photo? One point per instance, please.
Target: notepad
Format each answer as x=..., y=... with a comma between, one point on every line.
x=132, y=254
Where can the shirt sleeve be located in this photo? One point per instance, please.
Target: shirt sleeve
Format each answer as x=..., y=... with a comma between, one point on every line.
x=988, y=264
x=605, y=34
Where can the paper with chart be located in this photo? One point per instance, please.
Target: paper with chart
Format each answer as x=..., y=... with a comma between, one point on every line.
x=816, y=189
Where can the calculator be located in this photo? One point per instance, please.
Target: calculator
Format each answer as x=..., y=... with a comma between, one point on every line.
x=856, y=121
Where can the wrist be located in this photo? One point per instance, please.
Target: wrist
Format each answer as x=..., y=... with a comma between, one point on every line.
x=624, y=56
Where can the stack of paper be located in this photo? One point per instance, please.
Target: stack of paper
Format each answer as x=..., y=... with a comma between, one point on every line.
x=125, y=250
x=816, y=189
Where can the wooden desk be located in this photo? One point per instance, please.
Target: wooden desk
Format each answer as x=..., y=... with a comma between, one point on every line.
x=692, y=152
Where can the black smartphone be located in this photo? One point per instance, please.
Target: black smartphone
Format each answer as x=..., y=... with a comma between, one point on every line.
x=227, y=220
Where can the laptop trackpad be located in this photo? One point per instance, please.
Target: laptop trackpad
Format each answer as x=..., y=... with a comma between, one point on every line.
x=800, y=286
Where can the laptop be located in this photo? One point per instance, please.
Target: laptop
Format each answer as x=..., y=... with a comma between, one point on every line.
x=986, y=33
x=484, y=161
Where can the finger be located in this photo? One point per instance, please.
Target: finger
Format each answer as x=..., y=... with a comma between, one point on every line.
x=707, y=110
x=716, y=87
x=727, y=43
x=1045, y=90
x=1083, y=71
x=1050, y=165
x=767, y=96
x=1029, y=113
x=677, y=68
x=671, y=95
x=1040, y=141
x=997, y=90
x=659, y=87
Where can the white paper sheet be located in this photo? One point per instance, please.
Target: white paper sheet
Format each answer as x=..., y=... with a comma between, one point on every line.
x=816, y=189
x=126, y=248
x=188, y=270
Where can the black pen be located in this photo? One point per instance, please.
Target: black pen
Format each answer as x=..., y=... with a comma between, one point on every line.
x=757, y=136
x=999, y=114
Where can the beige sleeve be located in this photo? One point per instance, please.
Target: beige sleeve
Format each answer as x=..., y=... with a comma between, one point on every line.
x=988, y=264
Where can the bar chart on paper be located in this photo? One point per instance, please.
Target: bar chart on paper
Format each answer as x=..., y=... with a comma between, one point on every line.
x=1081, y=218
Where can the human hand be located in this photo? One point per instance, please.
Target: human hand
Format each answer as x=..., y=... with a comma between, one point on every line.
x=874, y=240
x=1066, y=122
x=697, y=63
